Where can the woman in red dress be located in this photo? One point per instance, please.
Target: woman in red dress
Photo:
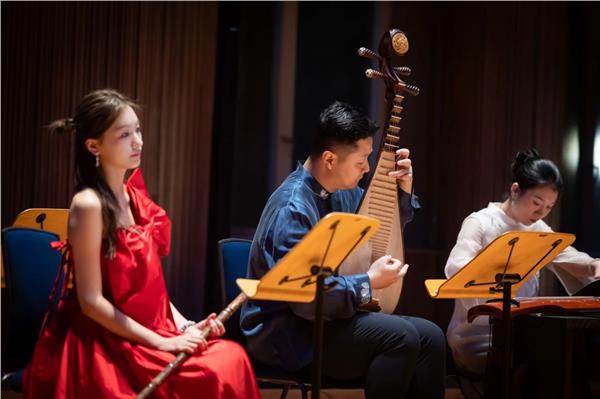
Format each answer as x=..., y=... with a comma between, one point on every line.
x=117, y=329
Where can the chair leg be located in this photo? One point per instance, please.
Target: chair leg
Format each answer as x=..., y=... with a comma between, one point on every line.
x=13, y=381
x=469, y=388
x=284, y=391
x=303, y=390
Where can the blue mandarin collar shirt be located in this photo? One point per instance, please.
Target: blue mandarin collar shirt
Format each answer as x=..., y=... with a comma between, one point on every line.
x=280, y=333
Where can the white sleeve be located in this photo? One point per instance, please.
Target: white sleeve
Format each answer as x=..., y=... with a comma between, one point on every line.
x=468, y=244
x=573, y=268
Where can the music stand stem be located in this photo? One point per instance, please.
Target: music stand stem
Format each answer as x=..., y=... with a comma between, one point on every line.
x=318, y=338
x=506, y=281
x=322, y=272
x=318, y=345
x=506, y=305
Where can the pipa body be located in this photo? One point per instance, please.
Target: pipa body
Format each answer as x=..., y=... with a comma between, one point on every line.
x=381, y=201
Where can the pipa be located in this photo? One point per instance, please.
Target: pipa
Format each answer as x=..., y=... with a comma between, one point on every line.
x=381, y=198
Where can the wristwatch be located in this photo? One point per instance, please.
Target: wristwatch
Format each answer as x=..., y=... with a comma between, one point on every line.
x=365, y=293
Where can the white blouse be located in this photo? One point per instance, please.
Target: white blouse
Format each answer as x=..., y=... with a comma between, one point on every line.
x=470, y=341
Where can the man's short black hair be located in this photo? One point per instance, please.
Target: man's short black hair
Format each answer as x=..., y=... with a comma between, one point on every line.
x=341, y=124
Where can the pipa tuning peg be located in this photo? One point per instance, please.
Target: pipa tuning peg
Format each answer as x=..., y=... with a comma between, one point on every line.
x=371, y=74
x=365, y=52
x=412, y=90
x=404, y=71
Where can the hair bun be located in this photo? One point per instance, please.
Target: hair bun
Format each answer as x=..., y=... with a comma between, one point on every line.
x=525, y=156
x=531, y=170
x=62, y=126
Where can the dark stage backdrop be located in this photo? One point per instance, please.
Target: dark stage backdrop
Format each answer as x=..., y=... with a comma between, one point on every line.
x=163, y=55
x=495, y=78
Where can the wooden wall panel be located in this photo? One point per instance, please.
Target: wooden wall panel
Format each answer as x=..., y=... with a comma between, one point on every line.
x=493, y=81
x=161, y=54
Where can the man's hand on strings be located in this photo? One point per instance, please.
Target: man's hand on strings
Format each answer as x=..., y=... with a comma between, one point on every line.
x=386, y=271
x=404, y=172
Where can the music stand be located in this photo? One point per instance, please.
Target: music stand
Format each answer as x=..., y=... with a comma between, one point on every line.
x=300, y=275
x=498, y=271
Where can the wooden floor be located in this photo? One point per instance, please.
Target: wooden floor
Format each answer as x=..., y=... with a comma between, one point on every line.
x=451, y=393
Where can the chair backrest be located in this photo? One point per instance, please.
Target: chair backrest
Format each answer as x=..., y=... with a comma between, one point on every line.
x=233, y=263
x=49, y=219
x=233, y=260
x=31, y=267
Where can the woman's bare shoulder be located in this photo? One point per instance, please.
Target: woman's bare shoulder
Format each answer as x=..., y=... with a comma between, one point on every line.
x=86, y=207
x=86, y=199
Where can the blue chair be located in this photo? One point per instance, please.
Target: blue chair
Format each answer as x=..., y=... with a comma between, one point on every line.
x=31, y=266
x=233, y=262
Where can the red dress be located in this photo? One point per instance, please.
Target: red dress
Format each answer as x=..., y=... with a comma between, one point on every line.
x=76, y=357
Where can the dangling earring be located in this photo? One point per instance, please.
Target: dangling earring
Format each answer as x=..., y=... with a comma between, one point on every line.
x=97, y=160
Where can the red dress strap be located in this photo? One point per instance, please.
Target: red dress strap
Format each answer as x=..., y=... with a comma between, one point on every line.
x=148, y=213
x=64, y=273
x=136, y=180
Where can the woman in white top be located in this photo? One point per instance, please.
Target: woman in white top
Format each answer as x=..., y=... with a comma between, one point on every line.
x=534, y=191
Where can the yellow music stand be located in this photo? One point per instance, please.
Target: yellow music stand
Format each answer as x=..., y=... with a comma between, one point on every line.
x=516, y=252
x=498, y=271
x=327, y=244
x=300, y=275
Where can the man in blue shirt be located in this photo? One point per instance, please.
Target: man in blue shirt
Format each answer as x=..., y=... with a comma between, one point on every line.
x=399, y=356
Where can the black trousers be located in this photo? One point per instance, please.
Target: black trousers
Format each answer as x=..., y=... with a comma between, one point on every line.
x=399, y=356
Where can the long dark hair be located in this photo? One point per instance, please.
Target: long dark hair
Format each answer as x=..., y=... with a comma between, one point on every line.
x=96, y=112
x=530, y=170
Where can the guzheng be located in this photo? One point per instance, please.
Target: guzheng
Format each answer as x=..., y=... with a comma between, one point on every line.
x=555, y=305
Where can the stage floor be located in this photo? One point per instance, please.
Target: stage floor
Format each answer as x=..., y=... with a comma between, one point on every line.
x=451, y=393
